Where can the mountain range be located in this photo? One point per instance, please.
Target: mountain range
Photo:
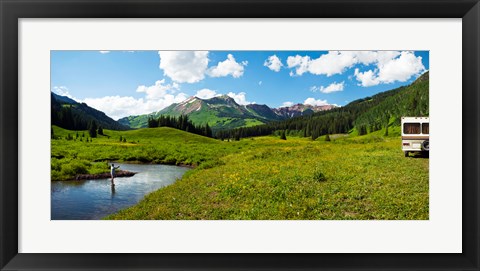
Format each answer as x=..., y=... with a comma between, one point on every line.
x=222, y=112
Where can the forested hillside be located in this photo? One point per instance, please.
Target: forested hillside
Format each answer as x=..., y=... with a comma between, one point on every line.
x=181, y=123
x=362, y=116
x=69, y=114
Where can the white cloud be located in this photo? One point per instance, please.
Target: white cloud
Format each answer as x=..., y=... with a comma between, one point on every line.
x=298, y=62
x=206, y=93
x=157, y=97
x=118, y=107
x=227, y=67
x=260, y=83
x=62, y=91
x=334, y=62
x=333, y=87
x=184, y=66
x=391, y=66
x=273, y=63
x=104, y=52
x=287, y=104
x=400, y=69
x=367, y=79
x=312, y=101
x=192, y=66
x=239, y=98
x=159, y=90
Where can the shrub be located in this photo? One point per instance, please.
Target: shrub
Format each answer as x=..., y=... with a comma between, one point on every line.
x=75, y=167
x=55, y=175
x=99, y=167
x=319, y=176
x=55, y=164
x=211, y=164
x=170, y=160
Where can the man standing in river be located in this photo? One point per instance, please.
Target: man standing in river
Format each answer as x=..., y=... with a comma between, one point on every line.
x=112, y=172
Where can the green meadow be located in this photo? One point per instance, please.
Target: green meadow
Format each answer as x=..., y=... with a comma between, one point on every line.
x=263, y=178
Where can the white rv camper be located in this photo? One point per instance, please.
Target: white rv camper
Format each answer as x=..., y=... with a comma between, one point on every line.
x=415, y=135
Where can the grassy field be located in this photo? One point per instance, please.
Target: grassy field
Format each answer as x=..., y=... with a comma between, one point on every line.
x=155, y=145
x=360, y=177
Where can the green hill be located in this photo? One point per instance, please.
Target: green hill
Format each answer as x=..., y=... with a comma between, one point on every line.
x=412, y=100
x=72, y=115
x=219, y=113
x=74, y=152
x=362, y=116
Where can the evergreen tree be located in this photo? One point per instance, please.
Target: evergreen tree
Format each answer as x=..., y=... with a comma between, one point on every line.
x=327, y=138
x=100, y=130
x=208, y=130
x=237, y=135
x=181, y=123
x=386, y=119
x=93, y=129
x=308, y=130
x=282, y=135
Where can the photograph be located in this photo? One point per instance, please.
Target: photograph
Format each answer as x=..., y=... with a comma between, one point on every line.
x=253, y=135
x=239, y=135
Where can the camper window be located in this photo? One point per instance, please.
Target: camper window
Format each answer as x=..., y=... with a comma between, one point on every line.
x=411, y=128
x=425, y=128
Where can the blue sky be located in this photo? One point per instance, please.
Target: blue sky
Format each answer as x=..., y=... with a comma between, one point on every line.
x=123, y=83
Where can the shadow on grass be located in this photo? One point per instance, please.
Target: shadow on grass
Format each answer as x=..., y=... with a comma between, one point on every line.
x=424, y=155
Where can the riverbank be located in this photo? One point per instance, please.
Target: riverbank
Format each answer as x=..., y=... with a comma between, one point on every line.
x=134, y=162
x=159, y=146
x=105, y=175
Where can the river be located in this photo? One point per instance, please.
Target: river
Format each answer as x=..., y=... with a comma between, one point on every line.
x=95, y=199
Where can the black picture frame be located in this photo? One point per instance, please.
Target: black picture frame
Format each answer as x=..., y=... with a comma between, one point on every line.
x=12, y=10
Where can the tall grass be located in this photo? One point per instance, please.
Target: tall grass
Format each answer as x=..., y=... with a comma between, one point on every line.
x=349, y=177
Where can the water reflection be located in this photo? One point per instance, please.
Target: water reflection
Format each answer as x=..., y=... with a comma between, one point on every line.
x=94, y=199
